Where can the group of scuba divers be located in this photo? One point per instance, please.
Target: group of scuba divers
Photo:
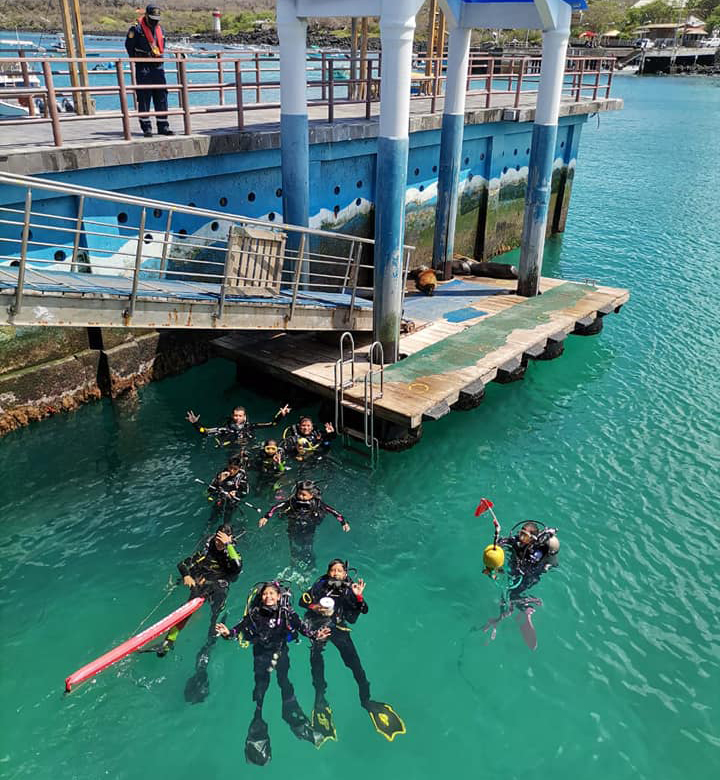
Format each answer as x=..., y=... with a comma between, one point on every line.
x=332, y=603
x=270, y=622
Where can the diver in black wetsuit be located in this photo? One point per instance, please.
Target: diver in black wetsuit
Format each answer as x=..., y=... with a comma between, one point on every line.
x=238, y=430
x=208, y=573
x=269, y=623
x=304, y=511
x=304, y=440
x=532, y=552
x=226, y=490
x=271, y=459
x=334, y=601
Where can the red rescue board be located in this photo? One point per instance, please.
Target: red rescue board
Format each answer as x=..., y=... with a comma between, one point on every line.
x=132, y=644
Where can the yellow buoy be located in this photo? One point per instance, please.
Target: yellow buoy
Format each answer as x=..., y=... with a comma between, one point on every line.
x=493, y=557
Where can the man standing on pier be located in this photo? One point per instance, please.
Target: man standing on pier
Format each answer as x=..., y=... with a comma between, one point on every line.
x=145, y=41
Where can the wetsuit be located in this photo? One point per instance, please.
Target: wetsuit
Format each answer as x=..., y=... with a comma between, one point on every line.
x=347, y=608
x=303, y=519
x=213, y=570
x=527, y=562
x=221, y=487
x=269, y=630
x=233, y=433
x=266, y=464
x=301, y=447
x=138, y=46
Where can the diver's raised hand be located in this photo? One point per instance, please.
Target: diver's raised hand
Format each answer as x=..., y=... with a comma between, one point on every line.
x=189, y=581
x=192, y=417
x=345, y=527
x=262, y=521
x=222, y=630
x=358, y=587
x=284, y=411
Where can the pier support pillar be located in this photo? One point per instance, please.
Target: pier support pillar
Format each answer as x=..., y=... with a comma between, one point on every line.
x=294, y=141
x=451, y=150
x=397, y=27
x=542, y=152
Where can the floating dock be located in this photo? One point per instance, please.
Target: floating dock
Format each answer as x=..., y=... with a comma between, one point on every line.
x=474, y=330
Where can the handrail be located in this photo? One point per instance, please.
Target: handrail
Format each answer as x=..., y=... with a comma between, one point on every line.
x=336, y=77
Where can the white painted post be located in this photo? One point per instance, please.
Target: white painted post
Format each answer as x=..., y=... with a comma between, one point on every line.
x=397, y=28
x=451, y=150
x=542, y=153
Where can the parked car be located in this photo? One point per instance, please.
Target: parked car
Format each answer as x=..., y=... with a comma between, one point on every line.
x=644, y=43
x=711, y=43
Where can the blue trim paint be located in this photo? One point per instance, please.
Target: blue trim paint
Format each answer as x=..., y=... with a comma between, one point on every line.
x=447, y=197
x=392, y=160
x=537, y=199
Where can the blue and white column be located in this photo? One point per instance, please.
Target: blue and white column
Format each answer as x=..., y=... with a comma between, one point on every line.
x=542, y=152
x=451, y=139
x=397, y=27
x=294, y=141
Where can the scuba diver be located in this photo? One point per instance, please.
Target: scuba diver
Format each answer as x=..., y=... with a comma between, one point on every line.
x=303, y=440
x=271, y=458
x=269, y=624
x=333, y=602
x=305, y=510
x=237, y=429
x=226, y=490
x=208, y=573
x=533, y=551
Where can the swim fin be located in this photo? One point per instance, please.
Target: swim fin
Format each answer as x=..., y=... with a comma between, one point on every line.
x=197, y=687
x=298, y=721
x=527, y=629
x=322, y=721
x=386, y=721
x=257, y=743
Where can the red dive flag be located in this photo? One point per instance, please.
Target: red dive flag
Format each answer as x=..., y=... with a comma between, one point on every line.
x=483, y=506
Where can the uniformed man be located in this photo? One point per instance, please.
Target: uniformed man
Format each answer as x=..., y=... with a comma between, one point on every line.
x=145, y=41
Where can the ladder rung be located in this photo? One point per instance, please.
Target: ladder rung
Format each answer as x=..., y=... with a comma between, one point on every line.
x=354, y=433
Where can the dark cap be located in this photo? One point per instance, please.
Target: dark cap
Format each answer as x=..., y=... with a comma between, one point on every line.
x=152, y=11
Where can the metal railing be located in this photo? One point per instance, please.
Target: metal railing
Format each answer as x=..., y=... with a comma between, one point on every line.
x=241, y=83
x=152, y=245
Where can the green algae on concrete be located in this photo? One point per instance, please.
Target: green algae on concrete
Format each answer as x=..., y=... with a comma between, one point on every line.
x=466, y=348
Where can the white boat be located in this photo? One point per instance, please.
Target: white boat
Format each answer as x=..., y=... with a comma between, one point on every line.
x=12, y=79
x=12, y=110
x=183, y=46
x=59, y=44
x=13, y=45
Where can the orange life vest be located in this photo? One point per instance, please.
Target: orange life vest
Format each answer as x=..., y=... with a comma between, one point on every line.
x=156, y=40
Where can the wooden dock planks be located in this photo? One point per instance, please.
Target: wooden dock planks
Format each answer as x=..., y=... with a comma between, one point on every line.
x=443, y=358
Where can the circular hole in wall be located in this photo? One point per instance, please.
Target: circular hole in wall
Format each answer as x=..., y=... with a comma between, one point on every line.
x=271, y=216
x=421, y=187
x=59, y=256
x=358, y=201
x=192, y=204
x=278, y=192
x=214, y=225
x=358, y=183
x=182, y=232
x=482, y=156
x=527, y=151
x=122, y=217
x=514, y=152
x=14, y=264
x=157, y=212
x=147, y=238
x=505, y=169
x=434, y=169
x=337, y=190
x=336, y=210
x=562, y=144
x=251, y=196
x=467, y=161
x=517, y=167
x=223, y=201
x=416, y=172
x=30, y=235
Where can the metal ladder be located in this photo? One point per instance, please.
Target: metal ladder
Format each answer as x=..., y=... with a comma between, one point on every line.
x=376, y=371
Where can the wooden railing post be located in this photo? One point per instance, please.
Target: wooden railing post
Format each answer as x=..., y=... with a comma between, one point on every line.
x=128, y=313
x=15, y=307
x=239, y=94
x=123, y=100
x=182, y=71
x=518, y=88
x=51, y=102
x=258, y=95
x=221, y=78
x=26, y=81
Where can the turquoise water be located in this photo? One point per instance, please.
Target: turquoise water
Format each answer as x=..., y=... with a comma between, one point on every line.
x=617, y=444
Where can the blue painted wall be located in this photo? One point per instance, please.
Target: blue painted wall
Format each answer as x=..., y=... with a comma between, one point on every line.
x=493, y=177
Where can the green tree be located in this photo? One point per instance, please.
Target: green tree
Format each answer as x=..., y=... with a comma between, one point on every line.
x=602, y=15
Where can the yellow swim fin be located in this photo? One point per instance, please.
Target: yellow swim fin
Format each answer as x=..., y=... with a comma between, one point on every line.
x=386, y=721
